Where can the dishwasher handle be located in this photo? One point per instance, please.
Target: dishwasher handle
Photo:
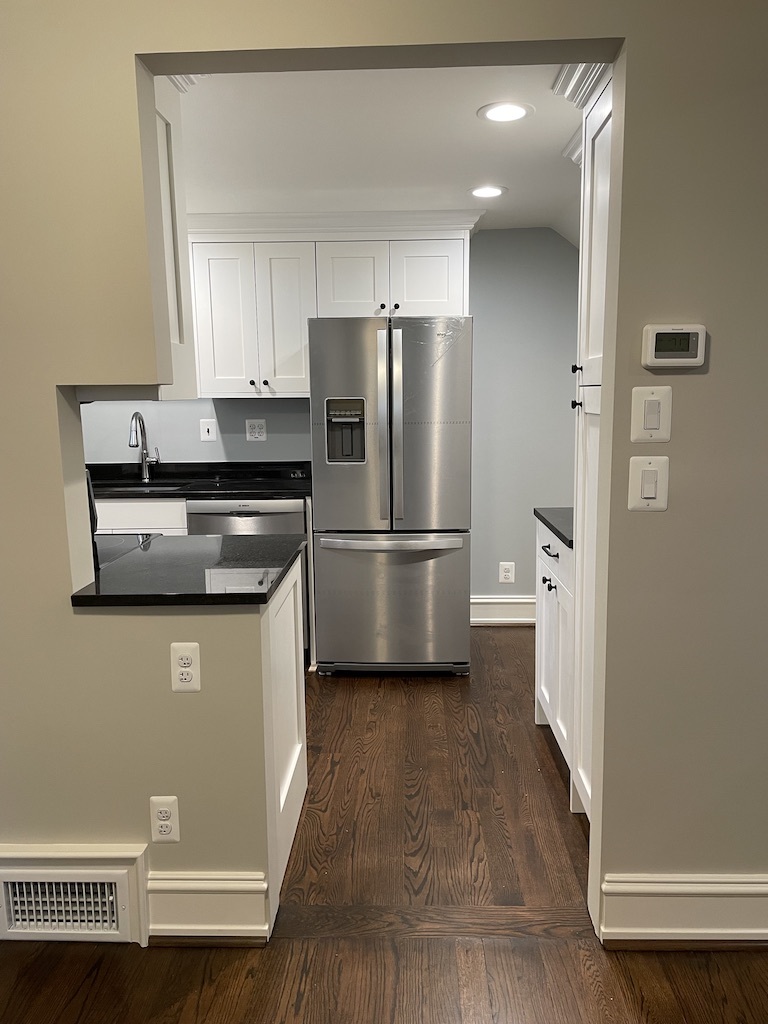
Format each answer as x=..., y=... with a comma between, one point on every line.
x=438, y=544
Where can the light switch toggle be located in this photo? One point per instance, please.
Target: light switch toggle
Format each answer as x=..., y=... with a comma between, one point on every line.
x=651, y=414
x=649, y=483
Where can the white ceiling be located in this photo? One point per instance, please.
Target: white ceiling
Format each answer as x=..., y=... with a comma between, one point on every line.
x=393, y=140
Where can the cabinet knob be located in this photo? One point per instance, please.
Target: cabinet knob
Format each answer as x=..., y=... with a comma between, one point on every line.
x=383, y=305
x=575, y=404
x=252, y=383
x=575, y=368
x=396, y=306
x=549, y=583
x=265, y=383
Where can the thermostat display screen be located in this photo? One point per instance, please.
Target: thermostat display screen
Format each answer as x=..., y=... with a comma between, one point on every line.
x=673, y=345
x=676, y=342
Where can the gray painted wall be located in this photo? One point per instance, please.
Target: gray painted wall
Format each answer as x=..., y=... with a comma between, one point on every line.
x=523, y=296
x=523, y=288
x=174, y=427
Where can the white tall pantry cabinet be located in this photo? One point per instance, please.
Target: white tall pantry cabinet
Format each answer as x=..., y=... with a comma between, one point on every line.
x=565, y=594
x=596, y=174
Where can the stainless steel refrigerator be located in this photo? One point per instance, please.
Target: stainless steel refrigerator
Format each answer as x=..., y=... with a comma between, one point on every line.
x=391, y=441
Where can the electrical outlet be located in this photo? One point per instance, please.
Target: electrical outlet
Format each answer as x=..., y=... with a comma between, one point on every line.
x=506, y=572
x=164, y=819
x=256, y=430
x=207, y=430
x=185, y=667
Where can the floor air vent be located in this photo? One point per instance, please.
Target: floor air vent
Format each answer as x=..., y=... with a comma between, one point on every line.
x=91, y=893
x=62, y=907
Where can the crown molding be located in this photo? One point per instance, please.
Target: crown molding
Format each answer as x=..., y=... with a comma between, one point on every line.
x=309, y=224
x=575, y=147
x=577, y=82
x=185, y=82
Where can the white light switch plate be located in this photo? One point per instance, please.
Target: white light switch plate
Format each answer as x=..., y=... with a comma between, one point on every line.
x=638, y=430
x=637, y=465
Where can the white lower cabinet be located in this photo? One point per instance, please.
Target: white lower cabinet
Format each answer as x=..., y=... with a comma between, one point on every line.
x=554, y=637
x=146, y=515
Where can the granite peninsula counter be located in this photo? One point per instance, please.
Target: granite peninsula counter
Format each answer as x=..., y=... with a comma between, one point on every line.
x=197, y=570
x=234, y=747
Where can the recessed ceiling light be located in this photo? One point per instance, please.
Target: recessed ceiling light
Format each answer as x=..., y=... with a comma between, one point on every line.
x=504, y=111
x=488, y=191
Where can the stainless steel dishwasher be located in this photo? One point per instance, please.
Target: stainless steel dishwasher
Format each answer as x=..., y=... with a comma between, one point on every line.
x=245, y=515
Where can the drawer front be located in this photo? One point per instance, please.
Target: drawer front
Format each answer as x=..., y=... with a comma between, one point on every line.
x=555, y=554
x=144, y=516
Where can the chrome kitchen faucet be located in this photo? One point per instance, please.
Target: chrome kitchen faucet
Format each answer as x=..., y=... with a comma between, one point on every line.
x=147, y=460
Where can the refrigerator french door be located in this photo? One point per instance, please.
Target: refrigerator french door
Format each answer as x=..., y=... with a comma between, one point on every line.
x=391, y=441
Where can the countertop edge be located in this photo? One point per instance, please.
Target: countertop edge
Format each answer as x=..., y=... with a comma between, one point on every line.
x=81, y=600
x=557, y=520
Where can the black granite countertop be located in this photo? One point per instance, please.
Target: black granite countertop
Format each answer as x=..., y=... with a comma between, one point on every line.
x=199, y=570
x=559, y=521
x=202, y=480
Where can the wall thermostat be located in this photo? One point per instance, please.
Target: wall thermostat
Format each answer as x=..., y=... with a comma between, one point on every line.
x=666, y=345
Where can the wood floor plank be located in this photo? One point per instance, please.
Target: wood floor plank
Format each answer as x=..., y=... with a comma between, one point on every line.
x=319, y=921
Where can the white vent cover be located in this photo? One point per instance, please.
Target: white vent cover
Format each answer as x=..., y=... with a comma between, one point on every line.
x=43, y=907
x=73, y=895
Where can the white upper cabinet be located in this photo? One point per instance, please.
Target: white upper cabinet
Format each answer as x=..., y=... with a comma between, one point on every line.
x=594, y=237
x=252, y=302
x=426, y=278
x=353, y=278
x=417, y=277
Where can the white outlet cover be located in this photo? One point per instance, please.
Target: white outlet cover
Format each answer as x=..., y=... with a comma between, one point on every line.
x=185, y=667
x=164, y=810
x=256, y=430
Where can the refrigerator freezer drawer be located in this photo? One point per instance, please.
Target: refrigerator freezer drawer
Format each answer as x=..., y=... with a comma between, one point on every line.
x=390, y=602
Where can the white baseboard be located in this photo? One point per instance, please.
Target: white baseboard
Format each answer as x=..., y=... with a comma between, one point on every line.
x=686, y=908
x=219, y=903
x=502, y=611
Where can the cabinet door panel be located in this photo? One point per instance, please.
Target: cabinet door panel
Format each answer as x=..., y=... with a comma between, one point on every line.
x=225, y=303
x=594, y=240
x=285, y=299
x=352, y=278
x=585, y=543
x=427, y=277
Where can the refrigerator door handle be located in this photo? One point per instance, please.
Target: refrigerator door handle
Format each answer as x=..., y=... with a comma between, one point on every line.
x=438, y=544
x=398, y=486
x=383, y=428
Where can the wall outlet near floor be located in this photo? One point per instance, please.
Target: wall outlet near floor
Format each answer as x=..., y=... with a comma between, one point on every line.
x=256, y=430
x=506, y=572
x=207, y=430
x=185, y=668
x=164, y=819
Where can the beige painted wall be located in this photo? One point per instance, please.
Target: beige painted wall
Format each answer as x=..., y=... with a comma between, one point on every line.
x=686, y=646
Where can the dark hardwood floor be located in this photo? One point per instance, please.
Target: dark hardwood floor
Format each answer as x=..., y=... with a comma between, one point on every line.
x=437, y=876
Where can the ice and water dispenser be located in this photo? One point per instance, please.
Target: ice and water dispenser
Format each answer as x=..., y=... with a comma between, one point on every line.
x=345, y=429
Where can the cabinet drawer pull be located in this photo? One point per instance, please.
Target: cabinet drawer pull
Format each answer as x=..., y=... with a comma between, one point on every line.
x=575, y=404
x=575, y=368
x=548, y=551
x=549, y=583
